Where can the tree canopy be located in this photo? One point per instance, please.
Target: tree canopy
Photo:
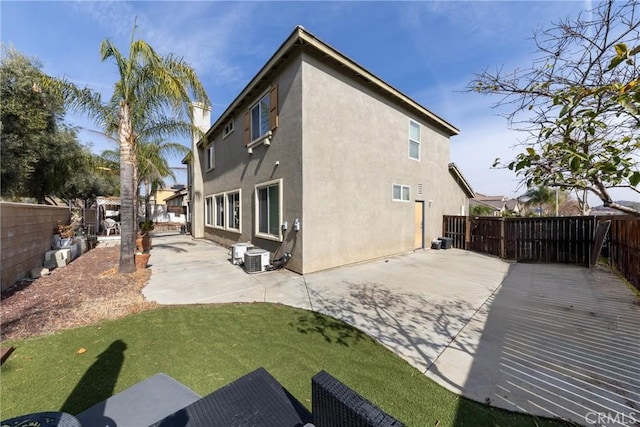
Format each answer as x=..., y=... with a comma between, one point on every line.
x=41, y=155
x=578, y=104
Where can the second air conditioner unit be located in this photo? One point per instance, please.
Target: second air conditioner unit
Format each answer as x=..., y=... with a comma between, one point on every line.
x=237, y=252
x=256, y=260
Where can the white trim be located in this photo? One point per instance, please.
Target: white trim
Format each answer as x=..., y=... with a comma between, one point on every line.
x=402, y=188
x=210, y=158
x=225, y=133
x=416, y=141
x=266, y=94
x=264, y=139
x=228, y=208
x=215, y=211
x=277, y=238
x=209, y=224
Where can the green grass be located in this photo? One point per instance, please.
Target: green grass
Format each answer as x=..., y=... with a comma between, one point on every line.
x=206, y=347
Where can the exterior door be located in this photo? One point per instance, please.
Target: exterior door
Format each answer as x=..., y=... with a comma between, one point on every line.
x=419, y=225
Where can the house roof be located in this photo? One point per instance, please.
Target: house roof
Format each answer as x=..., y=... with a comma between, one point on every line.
x=512, y=204
x=301, y=38
x=460, y=179
x=485, y=198
x=179, y=193
x=476, y=202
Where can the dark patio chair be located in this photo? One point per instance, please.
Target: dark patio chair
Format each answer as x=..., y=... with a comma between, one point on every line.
x=334, y=404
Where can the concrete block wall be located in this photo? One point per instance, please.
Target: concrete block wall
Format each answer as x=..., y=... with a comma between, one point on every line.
x=25, y=235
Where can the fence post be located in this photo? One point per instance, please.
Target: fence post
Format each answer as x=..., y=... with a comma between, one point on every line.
x=502, y=251
x=467, y=232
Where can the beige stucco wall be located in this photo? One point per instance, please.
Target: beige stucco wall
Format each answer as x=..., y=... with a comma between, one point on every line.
x=161, y=195
x=338, y=150
x=355, y=148
x=25, y=235
x=237, y=169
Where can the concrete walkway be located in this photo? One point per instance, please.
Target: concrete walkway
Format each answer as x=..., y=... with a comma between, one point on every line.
x=545, y=339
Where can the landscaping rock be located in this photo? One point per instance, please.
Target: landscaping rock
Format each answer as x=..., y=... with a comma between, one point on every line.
x=39, y=272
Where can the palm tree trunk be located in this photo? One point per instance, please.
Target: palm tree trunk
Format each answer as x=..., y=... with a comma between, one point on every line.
x=128, y=181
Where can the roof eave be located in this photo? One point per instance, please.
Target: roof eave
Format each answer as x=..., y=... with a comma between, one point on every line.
x=462, y=181
x=298, y=37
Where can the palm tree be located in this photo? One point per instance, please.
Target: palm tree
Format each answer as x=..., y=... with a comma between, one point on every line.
x=152, y=167
x=539, y=196
x=150, y=99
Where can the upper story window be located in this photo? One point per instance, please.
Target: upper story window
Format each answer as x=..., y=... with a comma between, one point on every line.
x=211, y=157
x=414, y=140
x=401, y=193
x=227, y=129
x=261, y=118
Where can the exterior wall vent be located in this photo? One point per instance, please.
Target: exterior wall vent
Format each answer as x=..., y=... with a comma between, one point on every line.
x=419, y=189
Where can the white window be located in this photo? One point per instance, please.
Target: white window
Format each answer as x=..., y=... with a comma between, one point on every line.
x=260, y=118
x=233, y=211
x=211, y=158
x=219, y=211
x=269, y=210
x=208, y=211
x=401, y=193
x=223, y=211
x=227, y=129
x=414, y=140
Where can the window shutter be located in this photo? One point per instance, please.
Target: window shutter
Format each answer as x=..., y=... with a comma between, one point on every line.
x=247, y=128
x=273, y=107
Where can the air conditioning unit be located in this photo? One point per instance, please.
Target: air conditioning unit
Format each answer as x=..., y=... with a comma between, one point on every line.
x=237, y=252
x=256, y=260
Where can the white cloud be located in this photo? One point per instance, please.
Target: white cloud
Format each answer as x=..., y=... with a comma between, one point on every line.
x=115, y=16
x=205, y=34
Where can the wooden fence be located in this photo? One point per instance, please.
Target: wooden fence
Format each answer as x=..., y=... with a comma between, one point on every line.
x=624, y=248
x=549, y=239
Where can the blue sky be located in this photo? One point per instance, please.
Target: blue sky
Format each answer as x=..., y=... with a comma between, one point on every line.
x=428, y=50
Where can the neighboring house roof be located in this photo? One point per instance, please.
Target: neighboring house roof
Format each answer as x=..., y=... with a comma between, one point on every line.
x=161, y=195
x=603, y=210
x=301, y=38
x=496, y=202
x=187, y=159
x=484, y=197
x=180, y=193
x=512, y=204
x=460, y=179
x=476, y=202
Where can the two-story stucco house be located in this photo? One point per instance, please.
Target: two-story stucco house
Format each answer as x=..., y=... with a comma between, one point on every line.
x=320, y=158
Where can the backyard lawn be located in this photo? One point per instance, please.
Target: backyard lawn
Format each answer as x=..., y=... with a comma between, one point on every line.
x=206, y=347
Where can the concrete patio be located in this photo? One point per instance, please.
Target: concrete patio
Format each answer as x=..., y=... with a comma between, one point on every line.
x=551, y=340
